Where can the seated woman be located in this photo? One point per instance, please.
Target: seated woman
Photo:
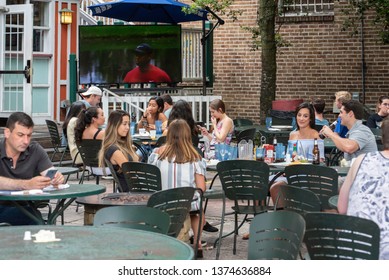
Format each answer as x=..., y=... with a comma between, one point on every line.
x=154, y=112
x=182, y=110
x=181, y=166
x=117, y=144
x=365, y=192
x=375, y=120
x=304, y=137
x=223, y=128
x=88, y=124
x=68, y=129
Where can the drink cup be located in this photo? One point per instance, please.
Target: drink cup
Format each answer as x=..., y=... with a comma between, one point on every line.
x=142, y=131
x=153, y=134
x=269, y=121
x=158, y=127
x=132, y=128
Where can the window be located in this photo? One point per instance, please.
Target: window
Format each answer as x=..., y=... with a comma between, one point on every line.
x=306, y=7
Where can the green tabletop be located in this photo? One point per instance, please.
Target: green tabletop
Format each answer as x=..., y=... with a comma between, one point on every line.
x=64, y=196
x=90, y=243
x=74, y=191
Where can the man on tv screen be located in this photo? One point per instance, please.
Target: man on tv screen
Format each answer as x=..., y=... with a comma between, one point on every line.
x=145, y=72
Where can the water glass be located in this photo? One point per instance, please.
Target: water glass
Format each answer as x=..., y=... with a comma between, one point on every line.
x=269, y=121
x=158, y=127
x=153, y=134
x=132, y=128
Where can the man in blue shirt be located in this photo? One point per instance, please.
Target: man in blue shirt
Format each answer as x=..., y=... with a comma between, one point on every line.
x=341, y=96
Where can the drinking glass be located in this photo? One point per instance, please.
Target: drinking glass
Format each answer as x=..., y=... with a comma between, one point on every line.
x=158, y=127
x=269, y=121
x=132, y=128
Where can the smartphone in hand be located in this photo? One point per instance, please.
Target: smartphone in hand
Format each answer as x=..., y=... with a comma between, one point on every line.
x=51, y=173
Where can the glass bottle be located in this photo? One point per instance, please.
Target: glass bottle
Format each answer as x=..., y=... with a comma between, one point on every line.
x=294, y=153
x=316, y=153
x=275, y=147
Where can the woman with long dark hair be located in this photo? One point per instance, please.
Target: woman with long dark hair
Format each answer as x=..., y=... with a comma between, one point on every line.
x=117, y=144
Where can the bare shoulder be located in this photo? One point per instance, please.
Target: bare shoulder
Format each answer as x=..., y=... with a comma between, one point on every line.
x=294, y=135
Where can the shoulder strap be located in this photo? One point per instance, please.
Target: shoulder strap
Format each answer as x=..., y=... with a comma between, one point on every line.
x=97, y=133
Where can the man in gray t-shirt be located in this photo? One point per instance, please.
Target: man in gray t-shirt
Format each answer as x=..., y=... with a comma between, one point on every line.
x=359, y=139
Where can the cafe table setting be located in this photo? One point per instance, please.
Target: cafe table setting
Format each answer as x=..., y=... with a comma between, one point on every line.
x=65, y=194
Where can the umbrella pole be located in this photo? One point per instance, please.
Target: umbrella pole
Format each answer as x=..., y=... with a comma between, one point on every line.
x=203, y=41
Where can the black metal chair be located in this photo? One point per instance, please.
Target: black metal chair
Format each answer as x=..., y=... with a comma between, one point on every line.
x=247, y=134
x=89, y=151
x=242, y=122
x=246, y=182
x=142, y=177
x=116, y=182
x=331, y=236
x=56, y=141
x=297, y=199
x=321, y=180
x=139, y=217
x=176, y=202
x=276, y=236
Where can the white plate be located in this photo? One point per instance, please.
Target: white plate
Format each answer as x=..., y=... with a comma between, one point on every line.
x=212, y=162
x=141, y=136
x=282, y=126
x=52, y=188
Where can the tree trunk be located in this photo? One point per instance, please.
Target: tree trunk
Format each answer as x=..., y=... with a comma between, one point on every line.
x=266, y=22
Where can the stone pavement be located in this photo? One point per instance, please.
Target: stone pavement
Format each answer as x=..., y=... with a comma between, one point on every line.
x=213, y=215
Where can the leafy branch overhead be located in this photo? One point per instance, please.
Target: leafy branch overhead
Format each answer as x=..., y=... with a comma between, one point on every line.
x=357, y=11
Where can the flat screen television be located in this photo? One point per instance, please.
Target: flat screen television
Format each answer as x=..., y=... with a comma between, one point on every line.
x=107, y=53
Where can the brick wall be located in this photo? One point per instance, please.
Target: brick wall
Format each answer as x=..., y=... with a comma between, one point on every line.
x=321, y=60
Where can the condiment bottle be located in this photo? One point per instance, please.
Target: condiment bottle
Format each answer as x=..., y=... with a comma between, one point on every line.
x=316, y=153
x=294, y=153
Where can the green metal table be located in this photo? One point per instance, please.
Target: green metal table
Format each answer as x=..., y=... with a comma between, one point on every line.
x=91, y=243
x=64, y=196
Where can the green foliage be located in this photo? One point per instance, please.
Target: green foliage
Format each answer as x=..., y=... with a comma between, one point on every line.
x=357, y=10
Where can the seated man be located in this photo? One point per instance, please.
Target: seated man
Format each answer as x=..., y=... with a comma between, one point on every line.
x=20, y=162
x=319, y=105
x=340, y=97
x=359, y=138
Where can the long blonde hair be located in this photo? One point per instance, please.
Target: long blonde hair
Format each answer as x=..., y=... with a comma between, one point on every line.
x=179, y=147
x=112, y=137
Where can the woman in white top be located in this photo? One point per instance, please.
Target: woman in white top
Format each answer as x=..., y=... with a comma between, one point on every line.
x=181, y=166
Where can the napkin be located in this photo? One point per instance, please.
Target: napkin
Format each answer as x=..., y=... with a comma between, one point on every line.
x=59, y=187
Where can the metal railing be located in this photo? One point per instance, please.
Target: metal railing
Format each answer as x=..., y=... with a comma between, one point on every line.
x=136, y=102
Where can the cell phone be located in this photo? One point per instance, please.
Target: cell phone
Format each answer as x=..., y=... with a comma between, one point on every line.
x=51, y=173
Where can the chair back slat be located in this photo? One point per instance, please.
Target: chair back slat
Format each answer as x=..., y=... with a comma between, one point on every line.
x=139, y=217
x=331, y=236
x=276, y=236
x=142, y=177
x=175, y=202
x=321, y=180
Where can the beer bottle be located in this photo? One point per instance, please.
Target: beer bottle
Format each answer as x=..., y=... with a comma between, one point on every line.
x=316, y=153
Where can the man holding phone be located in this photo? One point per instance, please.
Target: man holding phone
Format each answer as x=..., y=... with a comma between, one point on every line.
x=23, y=165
